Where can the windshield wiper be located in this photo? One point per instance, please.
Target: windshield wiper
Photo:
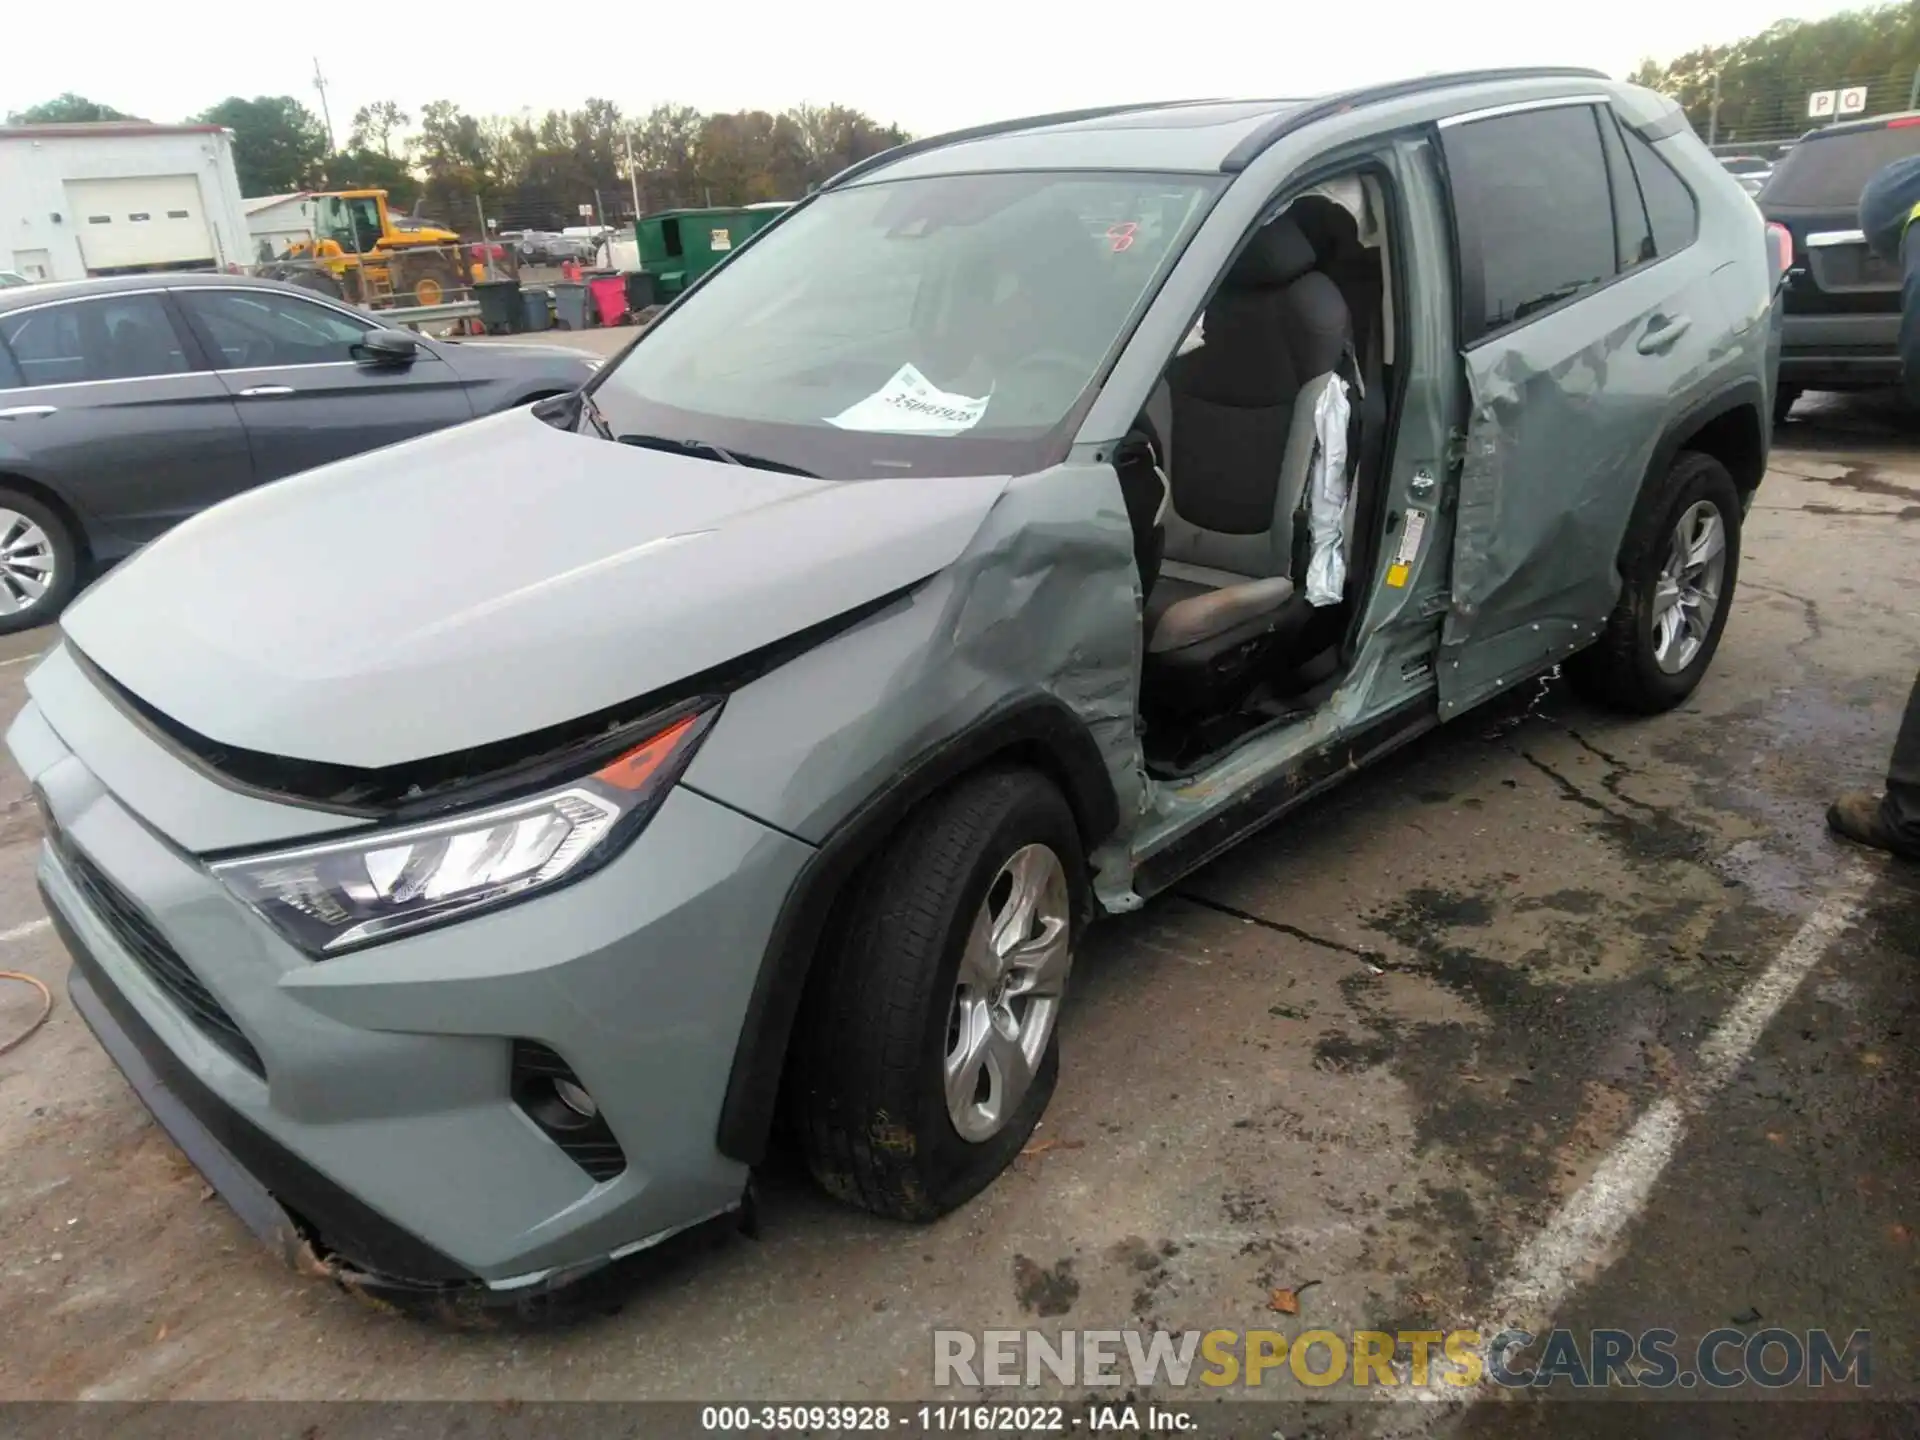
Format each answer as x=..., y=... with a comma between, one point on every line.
x=719, y=452
x=569, y=411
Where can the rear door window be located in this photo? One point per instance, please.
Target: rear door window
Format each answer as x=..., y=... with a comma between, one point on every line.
x=258, y=328
x=116, y=337
x=1630, y=220
x=1533, y=211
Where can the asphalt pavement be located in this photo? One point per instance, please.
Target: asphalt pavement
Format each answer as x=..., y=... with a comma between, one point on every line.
x=1557, y=1017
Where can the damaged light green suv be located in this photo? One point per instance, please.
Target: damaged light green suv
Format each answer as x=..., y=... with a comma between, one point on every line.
x=472, y=851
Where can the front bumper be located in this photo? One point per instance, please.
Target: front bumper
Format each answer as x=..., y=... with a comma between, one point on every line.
x=360, y=1116
x=215, y=1138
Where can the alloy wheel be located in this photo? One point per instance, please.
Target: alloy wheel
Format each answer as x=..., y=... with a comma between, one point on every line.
x=1686, y=596
x=1007, y=996
x=27, y=563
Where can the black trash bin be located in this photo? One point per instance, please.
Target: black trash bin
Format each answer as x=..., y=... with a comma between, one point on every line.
x=500, y=308
x=643, y=291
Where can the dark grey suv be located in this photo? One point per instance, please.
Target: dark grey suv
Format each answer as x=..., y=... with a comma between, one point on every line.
x=1842, y=303
x=128, y=405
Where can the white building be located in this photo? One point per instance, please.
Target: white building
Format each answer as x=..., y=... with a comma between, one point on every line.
x=118, y=196
x=275, y=221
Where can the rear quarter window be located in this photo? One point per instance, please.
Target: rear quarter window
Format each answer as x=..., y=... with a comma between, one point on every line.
x=1828, y=172
x=1670, y=204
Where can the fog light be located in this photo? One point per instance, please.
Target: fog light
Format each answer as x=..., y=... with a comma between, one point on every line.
x=550, y=1094
x=575, y=1098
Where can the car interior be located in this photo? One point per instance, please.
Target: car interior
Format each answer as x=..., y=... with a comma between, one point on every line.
x=1216, y=474
x=117, y=338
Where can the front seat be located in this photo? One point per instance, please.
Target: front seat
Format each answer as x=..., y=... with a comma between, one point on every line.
x=1276, y=334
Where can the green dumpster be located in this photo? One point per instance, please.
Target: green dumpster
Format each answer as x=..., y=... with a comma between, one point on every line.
x=677, y=247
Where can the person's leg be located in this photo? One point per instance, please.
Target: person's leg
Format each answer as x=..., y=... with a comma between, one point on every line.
x=1909, y=333
x=1901, y=807
x=1890, y=821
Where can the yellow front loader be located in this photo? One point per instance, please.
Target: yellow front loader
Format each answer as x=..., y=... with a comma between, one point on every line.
x=355, y=251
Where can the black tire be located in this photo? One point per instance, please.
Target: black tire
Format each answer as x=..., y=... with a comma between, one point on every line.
x=868, y=1092
x=414, y=271
x=64, y=551
x=1784, y=399
x=1620, y=671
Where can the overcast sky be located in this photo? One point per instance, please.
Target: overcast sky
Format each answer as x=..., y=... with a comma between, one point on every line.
x=928, y=66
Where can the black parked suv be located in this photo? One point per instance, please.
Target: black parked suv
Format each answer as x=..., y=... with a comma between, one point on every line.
x=1842, y=303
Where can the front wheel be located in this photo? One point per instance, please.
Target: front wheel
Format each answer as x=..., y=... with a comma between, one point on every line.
x=927, y=1050
x=39, y=563
x=1678, y=567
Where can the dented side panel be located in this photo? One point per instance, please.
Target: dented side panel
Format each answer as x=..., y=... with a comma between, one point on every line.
x=1566, y=415
x=1045, y=600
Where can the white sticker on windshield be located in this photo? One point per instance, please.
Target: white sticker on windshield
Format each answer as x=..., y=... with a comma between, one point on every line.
x=910, y=404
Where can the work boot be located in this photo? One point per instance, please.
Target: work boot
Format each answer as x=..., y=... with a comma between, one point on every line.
x=1860, y=816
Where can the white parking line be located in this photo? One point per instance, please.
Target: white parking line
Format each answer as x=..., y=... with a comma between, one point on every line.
x=22, y=659
x=21, y=932
x=1584, y=1236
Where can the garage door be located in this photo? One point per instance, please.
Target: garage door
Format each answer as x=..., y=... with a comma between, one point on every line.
x=149, y=220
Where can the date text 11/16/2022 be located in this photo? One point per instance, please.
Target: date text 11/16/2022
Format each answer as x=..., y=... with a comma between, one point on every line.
x=944, y=1419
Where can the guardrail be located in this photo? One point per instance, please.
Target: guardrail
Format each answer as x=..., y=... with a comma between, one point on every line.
x=412, y=315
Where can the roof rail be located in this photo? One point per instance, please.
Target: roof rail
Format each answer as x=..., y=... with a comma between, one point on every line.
x=998, y=127
x=1244, y=154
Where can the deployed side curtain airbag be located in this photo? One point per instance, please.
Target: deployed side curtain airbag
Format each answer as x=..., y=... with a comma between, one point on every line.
x=1327, y=495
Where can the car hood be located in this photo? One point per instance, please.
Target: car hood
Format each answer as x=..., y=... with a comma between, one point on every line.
x=492, y=580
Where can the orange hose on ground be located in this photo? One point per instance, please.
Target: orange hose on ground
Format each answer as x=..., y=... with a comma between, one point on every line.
x=46, y=1007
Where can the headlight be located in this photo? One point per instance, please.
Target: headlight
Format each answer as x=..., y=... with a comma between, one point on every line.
x=345, y=894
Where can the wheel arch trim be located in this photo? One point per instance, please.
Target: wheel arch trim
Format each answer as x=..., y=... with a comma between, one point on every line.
x=1683, y=429
x=1038, y=730
x=1745, y=393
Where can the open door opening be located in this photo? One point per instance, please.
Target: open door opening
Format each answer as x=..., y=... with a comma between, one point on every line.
x=1266, y=441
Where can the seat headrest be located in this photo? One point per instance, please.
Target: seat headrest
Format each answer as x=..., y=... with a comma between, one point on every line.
x=1279, y=255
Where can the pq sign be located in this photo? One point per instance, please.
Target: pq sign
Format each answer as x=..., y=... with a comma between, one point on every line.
x=1826, y=104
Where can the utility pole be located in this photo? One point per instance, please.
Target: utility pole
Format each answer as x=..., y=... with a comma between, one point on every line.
x=1913, y=90
x=1713, y=115
x=633, y=174
x=320, y=84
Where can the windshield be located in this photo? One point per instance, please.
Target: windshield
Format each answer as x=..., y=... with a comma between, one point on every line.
x=946, y=325
x=353, y=224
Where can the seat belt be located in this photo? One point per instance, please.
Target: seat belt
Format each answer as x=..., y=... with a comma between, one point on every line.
x=1368, y=436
